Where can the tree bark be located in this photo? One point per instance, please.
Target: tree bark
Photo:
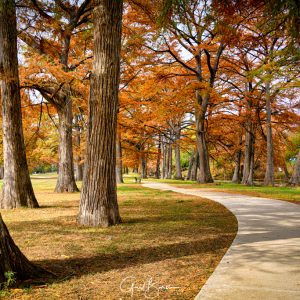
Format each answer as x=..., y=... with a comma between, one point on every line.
x=119, y=160
x=98, y=203
x=13, y=260
x=169, y=162
x=269, y=175
x=157, y=170
x=286, y=172
x=191, y=162
x=143, y=164
x=249, y=155
x=65, y=180
x=295, y=179
x=1, y=172
x=164, y=161
x=78, y=166
x=236, y=178
x=178, y=173
x=17, y=189
x=195, y=167
x=204, y=174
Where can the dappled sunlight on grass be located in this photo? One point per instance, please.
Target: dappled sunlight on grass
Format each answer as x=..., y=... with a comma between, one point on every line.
x=174, y=239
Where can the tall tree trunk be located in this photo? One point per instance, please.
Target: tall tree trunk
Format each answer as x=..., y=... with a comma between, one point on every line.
x=157, y=171
x=169, y=161
x=11, y=258
x=119, y=159
x=191, y=162
x=98, y=203
x=1, y=172
x=269, y=175
x=295, y=179
x=195, y=167
x=65, y=180
x=286, y=172
x=17, y=189
x=251, y=174
x=236, y=178
x=249, y=155
x=143, y=164
x=204, y=174
x=178, y=173
x=78, y=166
x=164, y=161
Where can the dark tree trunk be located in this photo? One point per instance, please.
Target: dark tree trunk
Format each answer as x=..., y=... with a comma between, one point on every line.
x=286, y=172
x=204, y=174
x=169, y=161
x=98, y=203
x=249, y=155
x=78, y=166
x=251, y=174
x=191, y=162
x=1, y=172
x=236, y=178
x=143, y=165
x=164, y=161
x=269, y=175
x=178, y=173
x=12, y=259
x=119, y=159
x=65, y=180
x=157, y=170
x=195, y=167
x=295, y=179
x=17, y=189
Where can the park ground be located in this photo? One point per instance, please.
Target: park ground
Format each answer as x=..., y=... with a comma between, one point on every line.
x=286, y=193
x=166, y=248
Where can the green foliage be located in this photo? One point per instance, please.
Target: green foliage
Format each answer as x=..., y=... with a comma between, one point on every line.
x=168, y=6
x=293, y=147
x=287, y=11
x=10, y=277
x=44, y=168
x=185, y=160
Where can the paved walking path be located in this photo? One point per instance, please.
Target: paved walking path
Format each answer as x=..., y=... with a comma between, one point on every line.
x=263, y=262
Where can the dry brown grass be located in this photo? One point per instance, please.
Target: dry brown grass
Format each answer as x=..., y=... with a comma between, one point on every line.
x=172, y=239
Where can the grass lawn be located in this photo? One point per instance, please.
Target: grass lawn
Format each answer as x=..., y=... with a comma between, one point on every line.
x=166, y=239
x=291, y=194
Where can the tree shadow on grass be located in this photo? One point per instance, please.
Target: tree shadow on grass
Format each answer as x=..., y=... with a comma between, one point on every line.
x=78, y=266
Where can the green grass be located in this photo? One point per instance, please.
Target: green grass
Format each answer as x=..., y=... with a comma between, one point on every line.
x=174, y=239
x=278, y=192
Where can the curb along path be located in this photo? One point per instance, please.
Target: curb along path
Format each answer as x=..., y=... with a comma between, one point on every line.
x=263, y=262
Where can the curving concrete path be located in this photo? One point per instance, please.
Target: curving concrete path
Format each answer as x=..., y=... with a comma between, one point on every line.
x=263, y=262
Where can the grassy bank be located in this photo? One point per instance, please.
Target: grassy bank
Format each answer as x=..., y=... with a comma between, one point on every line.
x=169, y=241
x=286, y=193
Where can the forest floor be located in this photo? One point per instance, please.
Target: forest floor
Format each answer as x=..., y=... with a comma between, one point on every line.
x=291, y=194
x=166, y=248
